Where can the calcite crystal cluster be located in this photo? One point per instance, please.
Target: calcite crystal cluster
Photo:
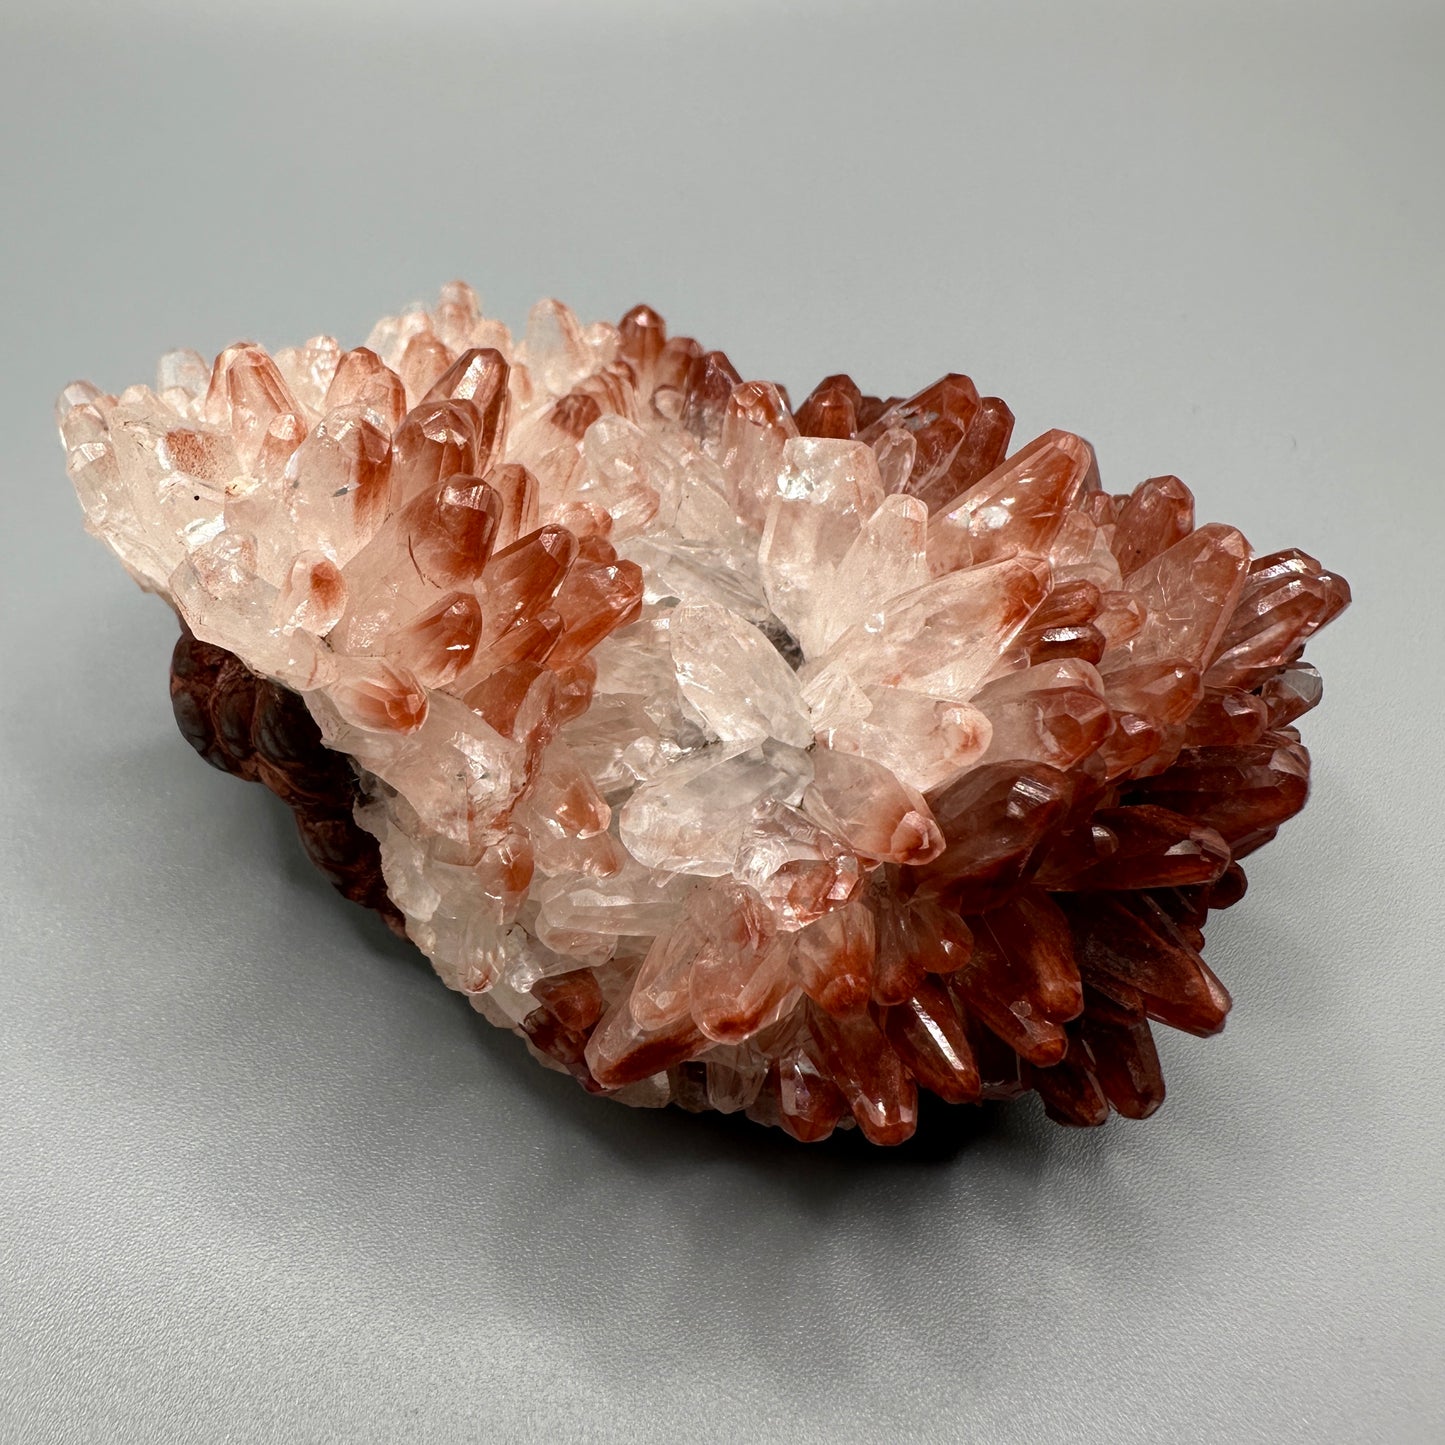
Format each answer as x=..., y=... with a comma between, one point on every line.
x=744, y=756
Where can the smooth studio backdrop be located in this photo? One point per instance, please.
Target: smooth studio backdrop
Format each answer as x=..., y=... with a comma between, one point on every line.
x=263, y=1179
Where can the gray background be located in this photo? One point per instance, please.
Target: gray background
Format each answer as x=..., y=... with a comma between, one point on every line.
x=261, y=1178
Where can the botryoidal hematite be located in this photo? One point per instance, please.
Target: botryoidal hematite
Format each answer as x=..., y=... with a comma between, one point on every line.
x=737, y=756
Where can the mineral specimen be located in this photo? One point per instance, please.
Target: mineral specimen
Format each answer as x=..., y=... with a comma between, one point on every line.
x=734, y=755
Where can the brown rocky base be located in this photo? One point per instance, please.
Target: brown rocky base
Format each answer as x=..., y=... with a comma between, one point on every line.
x=249, y=726
x=1016, y=986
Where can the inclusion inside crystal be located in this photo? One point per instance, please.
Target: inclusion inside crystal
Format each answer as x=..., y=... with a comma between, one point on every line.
x=744, y=756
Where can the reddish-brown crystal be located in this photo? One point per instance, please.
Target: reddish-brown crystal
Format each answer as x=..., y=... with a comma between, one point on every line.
x=928, y=1035
x=362, y=380
x=992, y=822
x=522, y=578
x=440, y=641
x=1159, y=513
x=831, y=409
x=834, y=960
x=938, y=418
x=881, y=1092
x=1126, y=1063
x=1130, y=950
x=810, y=1104
x=1070, y=1091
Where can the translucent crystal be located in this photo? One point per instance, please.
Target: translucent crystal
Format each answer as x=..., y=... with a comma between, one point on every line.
x=693, y=816
x=736, y=678
x=824, y=493
x=924, y=741
x=979, y=610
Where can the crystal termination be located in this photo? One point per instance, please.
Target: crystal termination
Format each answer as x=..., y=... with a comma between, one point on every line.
x=739, y=756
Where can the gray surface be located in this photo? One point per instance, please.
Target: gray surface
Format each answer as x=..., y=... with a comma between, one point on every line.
x=262, y=1179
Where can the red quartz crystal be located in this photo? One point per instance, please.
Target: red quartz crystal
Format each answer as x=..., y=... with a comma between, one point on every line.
x=1102, y=697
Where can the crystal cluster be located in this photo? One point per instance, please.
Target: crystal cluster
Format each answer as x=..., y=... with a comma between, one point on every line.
x=750, y=757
